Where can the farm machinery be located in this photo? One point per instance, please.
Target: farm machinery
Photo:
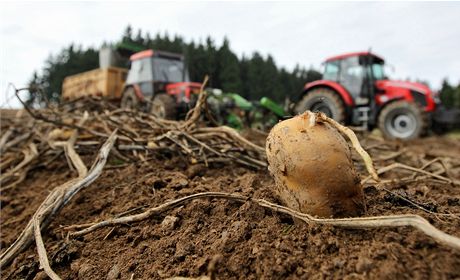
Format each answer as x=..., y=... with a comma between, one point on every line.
x=234, y=110
x=355, y=91
x=159, y=82
x=156, y=82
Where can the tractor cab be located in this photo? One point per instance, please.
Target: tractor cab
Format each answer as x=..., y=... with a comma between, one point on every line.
x=357, y=73
x=156, y=78
x=355, y=91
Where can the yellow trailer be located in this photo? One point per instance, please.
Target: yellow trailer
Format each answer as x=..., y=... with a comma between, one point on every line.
x=105, y=82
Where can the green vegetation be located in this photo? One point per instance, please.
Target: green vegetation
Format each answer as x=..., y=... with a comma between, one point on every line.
x=450, y=95
x=252, y=76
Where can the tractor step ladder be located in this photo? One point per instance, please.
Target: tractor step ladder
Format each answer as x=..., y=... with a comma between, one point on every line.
x=363, y=117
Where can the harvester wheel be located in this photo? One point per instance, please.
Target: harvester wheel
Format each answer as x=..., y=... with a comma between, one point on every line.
x=129, y=99
x=322, y=100
x=164, y=106
x=403, y=120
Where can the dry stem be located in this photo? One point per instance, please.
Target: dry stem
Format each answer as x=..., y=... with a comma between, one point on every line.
x=355, y=143
x=59, y=197
x=363, y=222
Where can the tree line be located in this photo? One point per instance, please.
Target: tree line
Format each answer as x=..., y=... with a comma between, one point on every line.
x=450, y=94
x=252, y=76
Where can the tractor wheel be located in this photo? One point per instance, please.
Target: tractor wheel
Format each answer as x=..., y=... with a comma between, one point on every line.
x=129, y=99
x=403, y=120
x=322, y=100
x=164, y=106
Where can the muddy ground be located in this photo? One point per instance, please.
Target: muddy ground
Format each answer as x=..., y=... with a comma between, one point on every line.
x=254, y=243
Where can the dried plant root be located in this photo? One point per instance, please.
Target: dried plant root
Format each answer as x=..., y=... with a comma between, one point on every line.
x=30, y=153
x=194, y=115
x=56, y=200
x=364, y=222
x=42, y=255
x=398, y=165
x=354, y=142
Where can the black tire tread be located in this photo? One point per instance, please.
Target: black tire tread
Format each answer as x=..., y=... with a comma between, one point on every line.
x=169, y=105
x=128, y=94
x=329, y=95
x=420, y=115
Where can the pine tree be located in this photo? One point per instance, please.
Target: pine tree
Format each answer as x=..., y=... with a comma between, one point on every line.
x=244, y=71
x=229, y=77
x=139, y=38
x=447, y=94
x=211, y=63
x=127, y=36
x=255, y=79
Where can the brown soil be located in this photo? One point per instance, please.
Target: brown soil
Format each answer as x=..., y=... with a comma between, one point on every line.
x=255, y=243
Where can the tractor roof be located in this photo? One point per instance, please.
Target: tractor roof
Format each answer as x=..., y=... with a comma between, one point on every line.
x=150, y=53
x=342, y=56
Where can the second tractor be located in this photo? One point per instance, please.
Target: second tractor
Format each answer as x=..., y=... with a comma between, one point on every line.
x=355, y=91
x=159, y=82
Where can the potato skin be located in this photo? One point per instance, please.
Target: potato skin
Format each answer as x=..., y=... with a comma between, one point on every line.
x=313, y=169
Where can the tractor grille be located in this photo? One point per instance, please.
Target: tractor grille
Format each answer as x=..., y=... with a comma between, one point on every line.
x=419, y=97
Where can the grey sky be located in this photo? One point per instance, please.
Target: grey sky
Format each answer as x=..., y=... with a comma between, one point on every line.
x=422, y=40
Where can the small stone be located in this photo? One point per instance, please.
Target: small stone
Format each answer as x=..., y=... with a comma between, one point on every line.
x=41, y=276
x=152, y=145
x=196, y=170
x=453, y=201
x=363, y=265
x=85, y=271
x=179, y=183
x=75, y=266
x=169, y=222
x=339, y=263
x=113, y=273
x=162, y=274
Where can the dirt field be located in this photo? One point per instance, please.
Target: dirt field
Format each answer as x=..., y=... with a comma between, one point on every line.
x=245, y=240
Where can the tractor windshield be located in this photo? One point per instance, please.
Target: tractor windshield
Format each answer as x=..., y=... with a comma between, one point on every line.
x=169, y=70
x=331, y=70
x=378, y=71
x=141, y=71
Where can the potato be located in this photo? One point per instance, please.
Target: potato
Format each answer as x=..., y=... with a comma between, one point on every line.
x=312, y=166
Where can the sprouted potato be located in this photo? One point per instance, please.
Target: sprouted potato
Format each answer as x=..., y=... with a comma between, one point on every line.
x=313, y=170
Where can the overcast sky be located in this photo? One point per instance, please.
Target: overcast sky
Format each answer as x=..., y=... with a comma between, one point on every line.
x=421, y=40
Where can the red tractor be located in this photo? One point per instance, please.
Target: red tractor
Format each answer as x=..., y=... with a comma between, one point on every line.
x=355, y=91
x=158, y=82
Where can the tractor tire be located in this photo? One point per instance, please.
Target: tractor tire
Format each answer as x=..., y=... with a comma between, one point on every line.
x=164, y=106
x=129, y=99
x=403, y=120
x=322, y=100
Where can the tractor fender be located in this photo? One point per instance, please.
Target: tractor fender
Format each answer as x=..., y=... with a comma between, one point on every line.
x=390, y=94
x=137, y=91
x=388, y=102
x=341, y=91
x=412, y=92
